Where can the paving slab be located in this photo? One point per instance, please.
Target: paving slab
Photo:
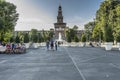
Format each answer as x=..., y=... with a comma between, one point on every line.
x=96, y=63
x=68, y=63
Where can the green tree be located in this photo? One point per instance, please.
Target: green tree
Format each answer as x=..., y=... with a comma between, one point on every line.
x=70, y=34
x=21, y=36
x=34, y=35
x=8, y=18
x=83, y=38
x=89, y=29
x=12, y=39
x=26, y=38
x=35, y=38
x=50, y=36
x=44, y=36
x=75, y=27
x=106, y=18
x=117, y=29
x=17, y=39
x=97, y=33
x=117, y=35
x=39, y=38
x=69, y=39
x=108, y=35
x=76, y=39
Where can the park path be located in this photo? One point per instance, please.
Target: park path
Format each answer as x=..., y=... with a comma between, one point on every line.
x=68, y=63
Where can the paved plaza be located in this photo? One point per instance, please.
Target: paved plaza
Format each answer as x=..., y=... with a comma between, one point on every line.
x=68, y=63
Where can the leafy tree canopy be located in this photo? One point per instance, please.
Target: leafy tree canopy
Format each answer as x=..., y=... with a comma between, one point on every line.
x=8, y=18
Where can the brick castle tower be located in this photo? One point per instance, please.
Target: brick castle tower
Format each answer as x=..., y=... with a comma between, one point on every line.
x=60, y=26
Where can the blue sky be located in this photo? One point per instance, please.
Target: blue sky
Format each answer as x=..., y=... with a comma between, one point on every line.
x=41, y=14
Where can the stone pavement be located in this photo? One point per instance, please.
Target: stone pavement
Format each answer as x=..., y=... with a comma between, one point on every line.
x=68, y=63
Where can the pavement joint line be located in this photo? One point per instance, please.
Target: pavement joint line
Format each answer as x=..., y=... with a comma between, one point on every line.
x=93, y=58
x=63, y=64
x=75, y=64
x=3, y=61
x=114, y=66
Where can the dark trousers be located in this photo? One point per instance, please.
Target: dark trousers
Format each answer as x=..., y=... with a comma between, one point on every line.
x=55, y=47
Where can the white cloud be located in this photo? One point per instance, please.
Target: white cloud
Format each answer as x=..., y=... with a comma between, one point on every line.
x=31, y=17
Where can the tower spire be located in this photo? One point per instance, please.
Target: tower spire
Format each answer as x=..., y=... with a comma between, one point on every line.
x=60, y=4
x=60, y=17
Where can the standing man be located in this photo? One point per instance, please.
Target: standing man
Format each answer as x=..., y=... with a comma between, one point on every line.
x=52, y=45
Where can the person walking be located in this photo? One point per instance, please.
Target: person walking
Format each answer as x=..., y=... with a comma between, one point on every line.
x=56, y=45
x=47, y=44
x=52, y=44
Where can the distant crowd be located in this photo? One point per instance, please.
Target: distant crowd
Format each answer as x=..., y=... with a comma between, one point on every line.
x=52, y=45
x=12, y=47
